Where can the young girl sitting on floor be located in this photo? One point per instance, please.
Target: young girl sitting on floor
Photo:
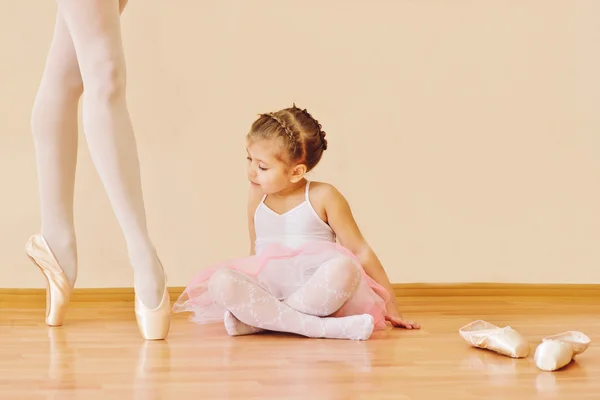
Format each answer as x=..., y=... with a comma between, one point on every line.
x=298, y=279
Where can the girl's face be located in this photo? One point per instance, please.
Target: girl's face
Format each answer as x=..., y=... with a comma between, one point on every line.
x=266, y=170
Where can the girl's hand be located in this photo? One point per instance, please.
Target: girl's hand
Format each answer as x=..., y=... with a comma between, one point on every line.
x=399, y=322
x=394, y=317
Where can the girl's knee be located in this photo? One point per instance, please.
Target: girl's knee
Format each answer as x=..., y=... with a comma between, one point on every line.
x=345, y=270
x=220, y=280
x=222, y=285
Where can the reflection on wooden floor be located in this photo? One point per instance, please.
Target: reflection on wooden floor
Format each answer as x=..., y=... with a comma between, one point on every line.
x=100, y=353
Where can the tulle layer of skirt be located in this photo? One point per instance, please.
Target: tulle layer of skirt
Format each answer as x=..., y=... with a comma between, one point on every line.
x=281, y=271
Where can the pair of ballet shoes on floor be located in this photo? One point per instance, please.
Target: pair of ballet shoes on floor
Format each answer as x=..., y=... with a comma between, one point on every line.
x=552, y=354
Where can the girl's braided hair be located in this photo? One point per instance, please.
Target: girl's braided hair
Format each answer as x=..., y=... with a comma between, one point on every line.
x=301, y=135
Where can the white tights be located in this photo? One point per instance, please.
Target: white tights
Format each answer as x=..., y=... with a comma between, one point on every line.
x=86, y=56
x=251, y=309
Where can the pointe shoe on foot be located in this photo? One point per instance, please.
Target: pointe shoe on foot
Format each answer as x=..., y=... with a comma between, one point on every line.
x=505, y=341
x=235, y=327
x=58, y=289
x=559, y=350
x=154, y=324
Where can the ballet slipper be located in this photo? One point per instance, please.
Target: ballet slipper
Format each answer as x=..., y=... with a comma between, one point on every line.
x=505, y=341
x=557, y=351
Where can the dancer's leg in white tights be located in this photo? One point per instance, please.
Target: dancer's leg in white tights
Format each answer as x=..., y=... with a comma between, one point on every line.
x=94, y=27
x=252, y=309
x=54, y=128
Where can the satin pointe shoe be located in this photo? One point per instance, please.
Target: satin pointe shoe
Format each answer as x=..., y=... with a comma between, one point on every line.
x=505, y=341
x=559, y=350
x=58, y=290
x=154, y=324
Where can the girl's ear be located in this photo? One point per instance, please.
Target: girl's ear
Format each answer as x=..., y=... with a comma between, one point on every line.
x=297, y=173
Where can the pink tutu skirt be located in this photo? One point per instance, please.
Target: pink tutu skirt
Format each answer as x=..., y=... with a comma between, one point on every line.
x=281, y=271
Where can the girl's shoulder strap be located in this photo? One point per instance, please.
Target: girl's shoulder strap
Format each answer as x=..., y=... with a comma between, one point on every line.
x=307, y=188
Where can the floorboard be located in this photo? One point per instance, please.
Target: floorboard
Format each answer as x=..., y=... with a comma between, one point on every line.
x=98, y=352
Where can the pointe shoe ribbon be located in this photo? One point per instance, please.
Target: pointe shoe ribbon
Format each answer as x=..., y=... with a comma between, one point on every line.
x=58, y=290
x=556, y=351
x=505, y=341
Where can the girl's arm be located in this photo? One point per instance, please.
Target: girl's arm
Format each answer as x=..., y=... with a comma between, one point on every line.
x=341, y=220
x=254, y=198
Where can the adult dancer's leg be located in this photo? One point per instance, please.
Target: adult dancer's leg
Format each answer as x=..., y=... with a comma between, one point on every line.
x=94, y=27
x=54, y=128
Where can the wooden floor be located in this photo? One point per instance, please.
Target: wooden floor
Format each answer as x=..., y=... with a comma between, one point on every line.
x=100, y=353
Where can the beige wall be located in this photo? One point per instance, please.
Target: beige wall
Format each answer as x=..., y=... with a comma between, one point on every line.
x=468, y=132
